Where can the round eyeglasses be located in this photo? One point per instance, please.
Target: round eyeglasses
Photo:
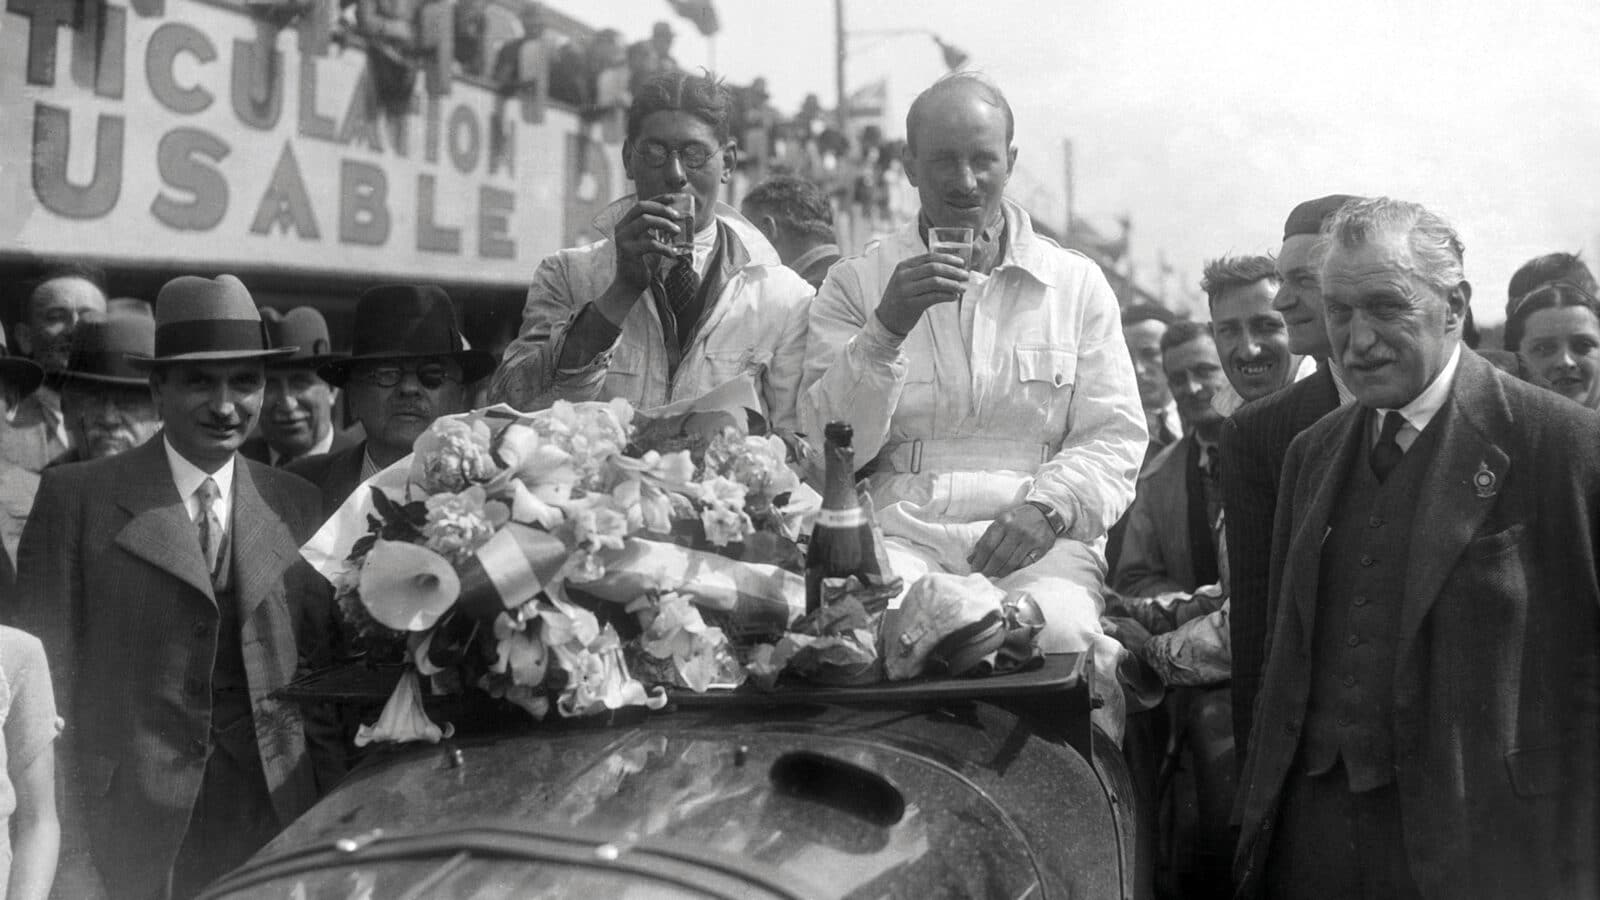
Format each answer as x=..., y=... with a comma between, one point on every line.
x=656, y=155
x=429, y=375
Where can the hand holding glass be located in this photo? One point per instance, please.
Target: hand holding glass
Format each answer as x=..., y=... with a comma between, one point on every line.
x=683, y=242
x=954, y=241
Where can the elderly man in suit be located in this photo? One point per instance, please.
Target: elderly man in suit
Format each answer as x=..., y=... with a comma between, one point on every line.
x=167, y=587
x=105, y=398
x=1429, y=718
x=1255, y=440
x=409, y=366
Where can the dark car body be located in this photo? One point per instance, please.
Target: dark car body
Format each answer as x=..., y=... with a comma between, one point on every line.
x=837, y=793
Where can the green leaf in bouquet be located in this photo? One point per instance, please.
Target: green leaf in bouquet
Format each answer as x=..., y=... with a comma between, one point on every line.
x=364, y=544
x=452, y=639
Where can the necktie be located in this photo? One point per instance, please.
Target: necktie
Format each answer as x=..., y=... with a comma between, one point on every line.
x=1212, y=463
x=681, y=285
x=206, y=520
x=1386, y=453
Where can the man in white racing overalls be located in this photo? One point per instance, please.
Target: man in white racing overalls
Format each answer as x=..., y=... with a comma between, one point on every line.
x=997, y=403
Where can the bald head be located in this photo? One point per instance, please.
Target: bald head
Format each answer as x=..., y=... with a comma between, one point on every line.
x=55, y=307
x=958, y=84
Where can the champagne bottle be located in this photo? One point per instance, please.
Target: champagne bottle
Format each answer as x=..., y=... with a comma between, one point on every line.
x=841, y=540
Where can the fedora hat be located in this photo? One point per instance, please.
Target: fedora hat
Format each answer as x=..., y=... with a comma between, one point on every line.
x=407, y=321
x=24, y=373
x=102, y=347
x=304, y=329
x=207, y=320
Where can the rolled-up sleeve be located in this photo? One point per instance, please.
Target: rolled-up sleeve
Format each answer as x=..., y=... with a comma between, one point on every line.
x=854, y=367
x=528, y=377
x=1091, y=479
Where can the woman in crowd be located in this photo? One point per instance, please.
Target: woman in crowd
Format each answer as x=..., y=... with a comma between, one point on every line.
x=30, y=833
x=1555, y=329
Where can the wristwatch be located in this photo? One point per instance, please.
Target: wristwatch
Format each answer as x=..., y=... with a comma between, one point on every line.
x=1051, y=517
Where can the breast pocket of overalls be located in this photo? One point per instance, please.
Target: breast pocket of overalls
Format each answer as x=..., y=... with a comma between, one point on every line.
x=724, y=364
x=626, y=372
x=1046, y=377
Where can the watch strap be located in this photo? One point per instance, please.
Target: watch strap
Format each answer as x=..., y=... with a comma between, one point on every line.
x=1051, y=517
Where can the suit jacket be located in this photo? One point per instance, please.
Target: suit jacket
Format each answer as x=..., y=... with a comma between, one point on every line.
x=1496, y=684
x=1254, y=442
x=28, y=440
x=336, y=474
x=1157, y=551
x=256, y=447
x=112, y=579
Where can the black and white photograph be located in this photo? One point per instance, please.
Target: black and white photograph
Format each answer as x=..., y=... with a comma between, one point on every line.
x=817, y=450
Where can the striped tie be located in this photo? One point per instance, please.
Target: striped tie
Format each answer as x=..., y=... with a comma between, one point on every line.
x=206, y=520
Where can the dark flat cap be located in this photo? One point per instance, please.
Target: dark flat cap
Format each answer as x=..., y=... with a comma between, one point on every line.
x=1308, y=217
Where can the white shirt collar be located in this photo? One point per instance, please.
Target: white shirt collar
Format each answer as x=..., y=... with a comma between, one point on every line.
x=1169, y=414
x=1422, y=408
x=187, y=477
x=317, y=449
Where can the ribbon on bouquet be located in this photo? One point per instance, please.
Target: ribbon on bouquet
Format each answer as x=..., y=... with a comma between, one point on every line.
x=509, y=570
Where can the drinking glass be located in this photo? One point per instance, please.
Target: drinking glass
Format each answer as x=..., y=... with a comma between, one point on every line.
x=682, y=242
x=955, y=241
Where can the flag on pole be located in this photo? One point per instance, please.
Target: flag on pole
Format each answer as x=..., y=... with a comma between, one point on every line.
x=700, y=12
x=870, y=100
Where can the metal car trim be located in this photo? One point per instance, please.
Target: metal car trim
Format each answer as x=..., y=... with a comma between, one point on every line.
x=687, y=867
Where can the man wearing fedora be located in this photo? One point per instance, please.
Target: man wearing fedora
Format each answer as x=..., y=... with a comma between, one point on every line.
x=297, y=406
x=18, y=378
x=167, y=587
x=105, y=399
x=408, y=367
x=670, y=304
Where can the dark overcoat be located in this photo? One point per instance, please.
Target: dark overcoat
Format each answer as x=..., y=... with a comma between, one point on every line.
x=113, y=581
x=336, y=474
x=1254, y=442
x=1496, y=685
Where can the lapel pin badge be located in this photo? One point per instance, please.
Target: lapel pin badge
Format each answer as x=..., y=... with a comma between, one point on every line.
x=1485, y=482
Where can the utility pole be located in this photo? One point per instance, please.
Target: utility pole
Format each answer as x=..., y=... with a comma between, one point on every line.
x=1071, y=187
x=842, y=106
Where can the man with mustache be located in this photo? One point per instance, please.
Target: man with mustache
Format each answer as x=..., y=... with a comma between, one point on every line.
x=996, y=404
x=408, y=367
x=1255, y=440
x=166, y=585
x=59, y=300
x=1428, y=723
x=297, y=406
x=105, y=400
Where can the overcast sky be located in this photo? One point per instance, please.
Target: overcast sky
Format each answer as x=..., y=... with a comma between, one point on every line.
x=1207, y=122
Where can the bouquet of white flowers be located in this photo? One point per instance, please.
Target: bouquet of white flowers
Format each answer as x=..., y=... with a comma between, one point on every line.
x=487, y=553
